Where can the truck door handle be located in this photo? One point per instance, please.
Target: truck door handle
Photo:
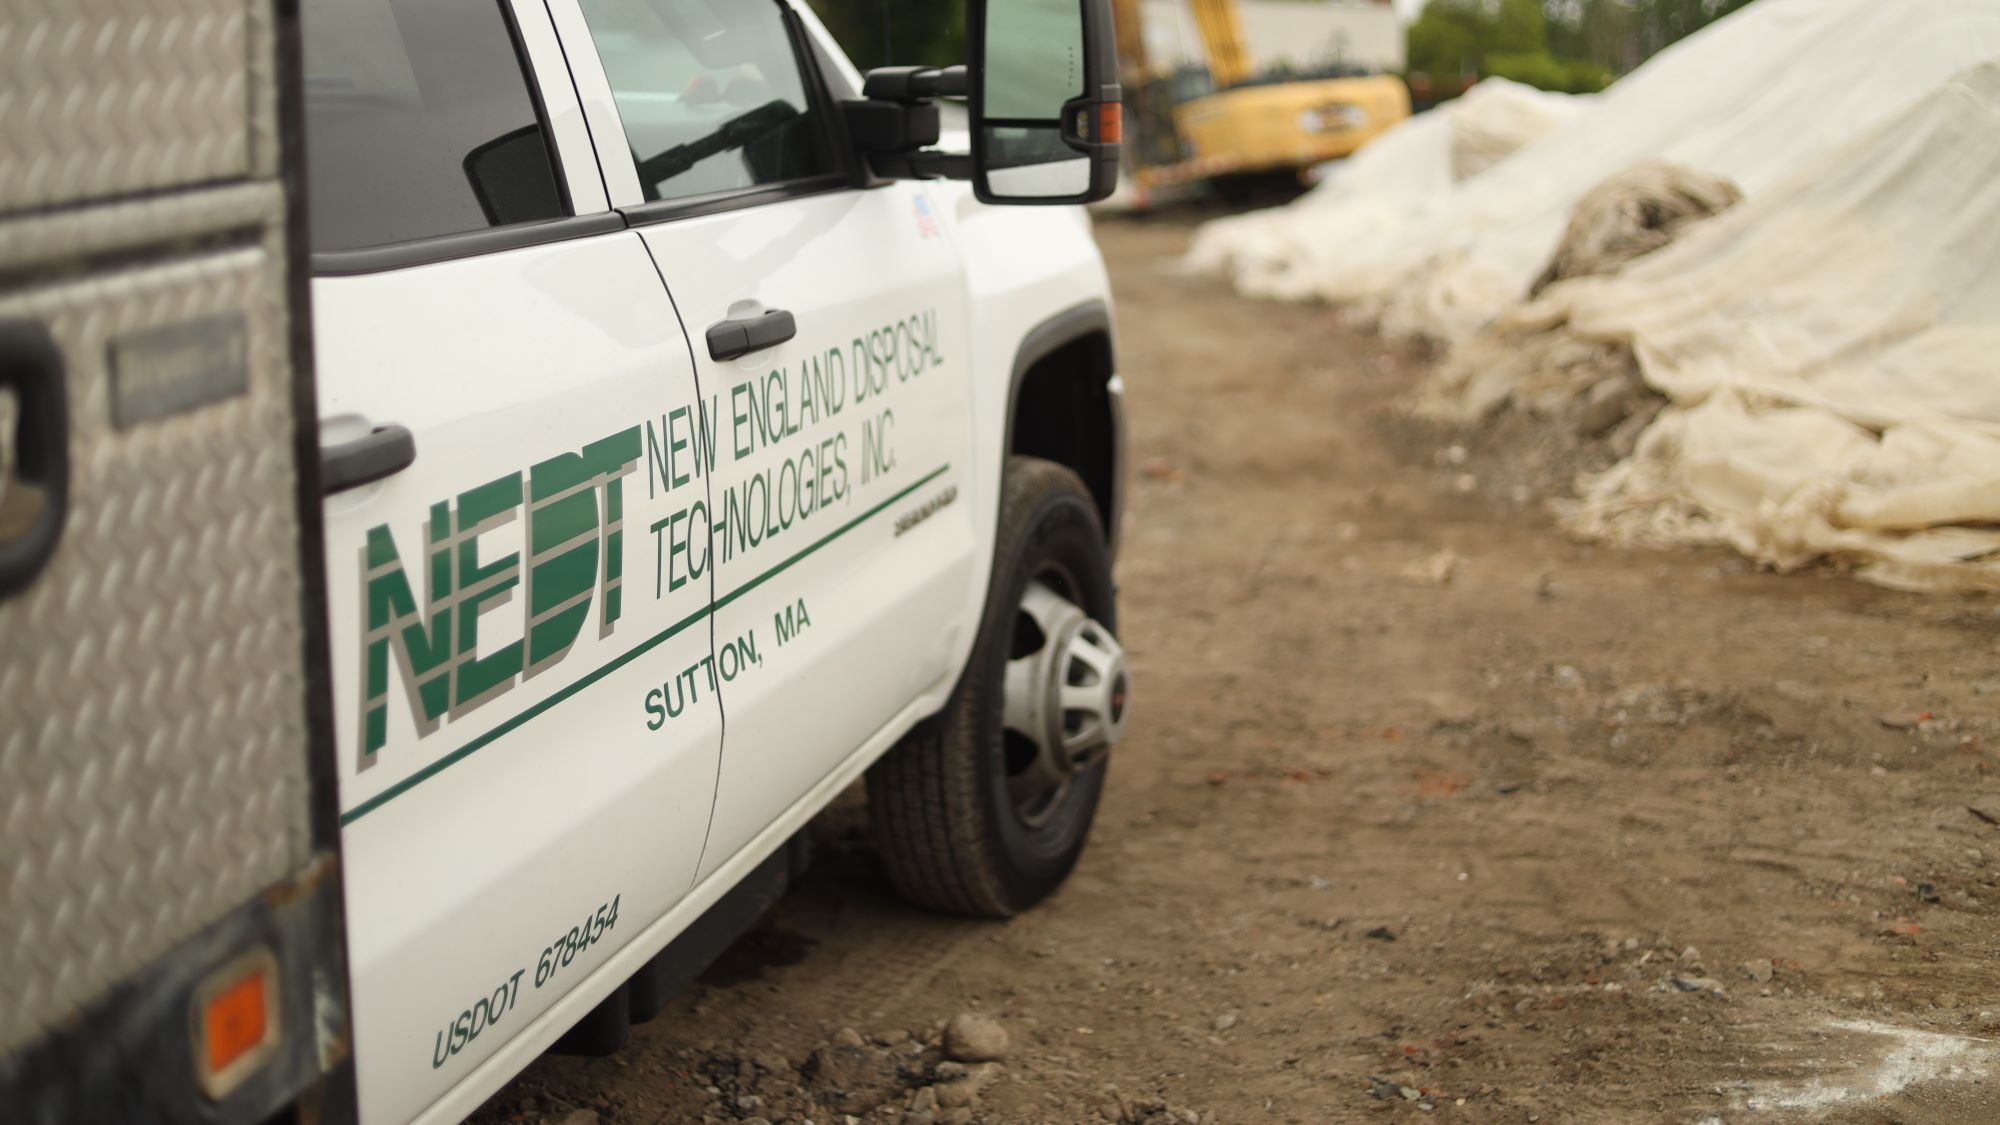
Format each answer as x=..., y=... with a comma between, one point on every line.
x=747, y=334
x=34, y=454
x=365, y=460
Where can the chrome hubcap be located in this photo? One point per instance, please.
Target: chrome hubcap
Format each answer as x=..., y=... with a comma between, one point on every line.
x=1065, y=695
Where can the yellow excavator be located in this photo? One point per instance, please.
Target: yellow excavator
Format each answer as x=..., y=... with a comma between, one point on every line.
x=1232, y=127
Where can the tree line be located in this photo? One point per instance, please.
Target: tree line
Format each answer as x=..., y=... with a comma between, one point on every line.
x=1574, y=45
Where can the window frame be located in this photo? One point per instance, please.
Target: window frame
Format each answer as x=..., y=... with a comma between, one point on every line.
x=621, y=176
x=574, y=161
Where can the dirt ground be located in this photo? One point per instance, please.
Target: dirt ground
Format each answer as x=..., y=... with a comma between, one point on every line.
x=1427, y=812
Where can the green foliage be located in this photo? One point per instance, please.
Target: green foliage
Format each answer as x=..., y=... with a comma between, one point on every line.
x=1545, y=71
x=1534, y=68
x=1577, y=46
x=1457, y=37
x=1448, y=38
x=1586, y=77
x=1517, y=27
x=896, y=32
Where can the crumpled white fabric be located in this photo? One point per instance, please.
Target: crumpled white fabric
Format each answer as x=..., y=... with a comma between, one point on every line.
x=1418, y=160
x=1752, y=98
x=1831, y=350
x=1497, y=117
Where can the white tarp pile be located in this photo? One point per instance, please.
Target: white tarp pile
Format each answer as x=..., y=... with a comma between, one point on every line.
x=1831, y=349
x=1381, y=186
x=1752, y=98
x=1497, y=117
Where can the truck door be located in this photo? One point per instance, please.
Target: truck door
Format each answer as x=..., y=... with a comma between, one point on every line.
x=828, y=326
x=497, y=356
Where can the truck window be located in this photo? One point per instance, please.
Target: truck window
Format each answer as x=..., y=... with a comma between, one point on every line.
x=419, y=122
x=711, y=94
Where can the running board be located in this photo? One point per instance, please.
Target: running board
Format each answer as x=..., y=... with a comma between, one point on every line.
x=609, y=1025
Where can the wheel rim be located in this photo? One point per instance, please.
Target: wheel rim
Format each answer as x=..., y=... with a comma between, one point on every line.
x=1064, y=698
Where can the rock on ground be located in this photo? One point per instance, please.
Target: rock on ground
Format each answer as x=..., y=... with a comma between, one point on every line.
x=972, y=1037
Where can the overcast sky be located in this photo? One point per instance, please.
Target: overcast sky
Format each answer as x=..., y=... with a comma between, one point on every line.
x=1409, y=8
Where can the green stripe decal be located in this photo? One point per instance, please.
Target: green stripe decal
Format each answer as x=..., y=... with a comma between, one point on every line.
x=572, y=689
x=850, y=525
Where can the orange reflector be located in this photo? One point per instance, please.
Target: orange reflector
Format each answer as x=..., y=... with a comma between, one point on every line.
x=235, y=1021
x=1110, y=123
x=235, y=1012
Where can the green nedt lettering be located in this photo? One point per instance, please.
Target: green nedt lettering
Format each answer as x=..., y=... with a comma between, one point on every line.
x=479, y=509
x=573, y=547
x=423, y=645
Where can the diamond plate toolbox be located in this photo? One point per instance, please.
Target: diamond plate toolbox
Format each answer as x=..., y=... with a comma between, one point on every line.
x=102, y=98
x=153, y=762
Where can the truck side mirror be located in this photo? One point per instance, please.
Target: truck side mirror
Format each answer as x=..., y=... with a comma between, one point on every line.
x=1047, y=113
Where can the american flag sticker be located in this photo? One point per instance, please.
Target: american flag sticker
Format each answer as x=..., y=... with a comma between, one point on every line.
x=927, y=225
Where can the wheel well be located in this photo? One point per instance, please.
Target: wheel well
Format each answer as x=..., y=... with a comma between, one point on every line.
x=1063, y=412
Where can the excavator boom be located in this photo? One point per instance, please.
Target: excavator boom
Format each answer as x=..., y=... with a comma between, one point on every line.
x=1129, y=23
x=1222, y=33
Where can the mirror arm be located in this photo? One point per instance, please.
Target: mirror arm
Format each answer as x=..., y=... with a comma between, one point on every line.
x=915, y=83
x=883, y=126
x=896, y=121
x=926, y=164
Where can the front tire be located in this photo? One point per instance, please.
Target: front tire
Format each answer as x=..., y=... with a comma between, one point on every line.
x=984, y=810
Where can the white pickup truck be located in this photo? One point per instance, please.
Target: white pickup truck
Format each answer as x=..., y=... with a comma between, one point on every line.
x=695, y=444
